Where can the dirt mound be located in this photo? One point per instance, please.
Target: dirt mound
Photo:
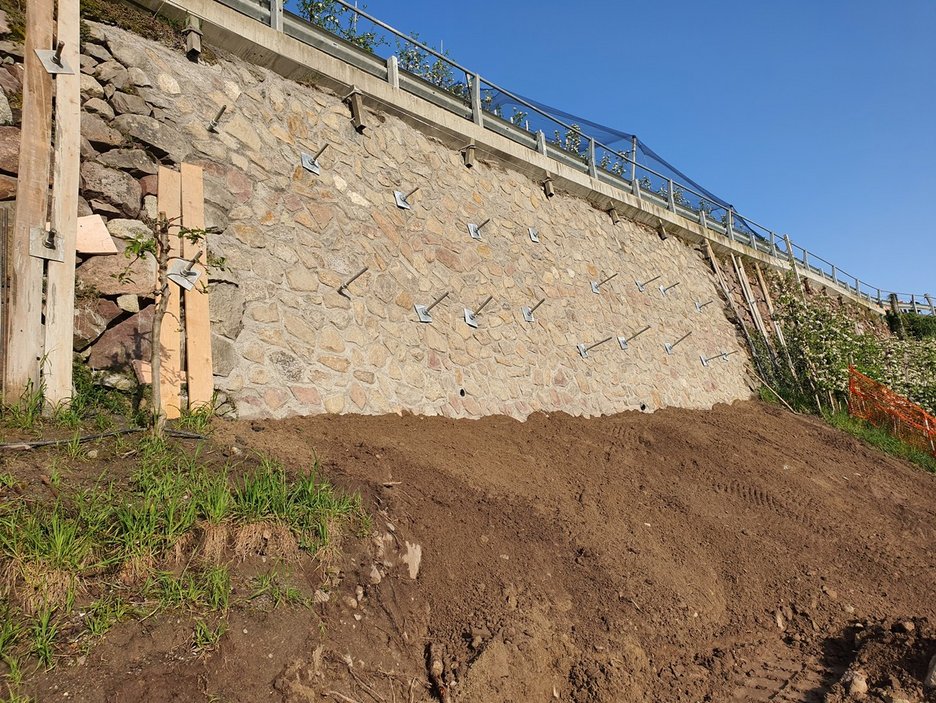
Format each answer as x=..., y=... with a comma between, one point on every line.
x=674, y=556
x=891, y=662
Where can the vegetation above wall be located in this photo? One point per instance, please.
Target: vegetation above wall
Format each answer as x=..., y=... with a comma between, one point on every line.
x=823, y=338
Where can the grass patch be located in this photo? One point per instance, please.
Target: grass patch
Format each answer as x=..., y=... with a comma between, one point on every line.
x=166, y=538
x=881, y=439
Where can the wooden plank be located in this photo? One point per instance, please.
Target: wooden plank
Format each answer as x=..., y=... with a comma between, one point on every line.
x=197, y=321
x=93, y=237
x=60, y=284
x=169, y=202
x=25, y=338
x=778, y=330
x=727, y=293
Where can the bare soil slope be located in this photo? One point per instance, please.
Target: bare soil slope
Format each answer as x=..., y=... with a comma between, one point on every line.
x=727, y=555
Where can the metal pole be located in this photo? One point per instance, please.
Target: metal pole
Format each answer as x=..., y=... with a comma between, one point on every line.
x=634, y=156
x=729, y=228
x=637, y=334
x=276, y=15
x=438, y=300
x=592, y=166
x=541, y=301
x=592, y=346
x=671, y=195
x=481, y=307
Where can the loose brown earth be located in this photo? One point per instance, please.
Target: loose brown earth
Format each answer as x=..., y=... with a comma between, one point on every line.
x=727, y=555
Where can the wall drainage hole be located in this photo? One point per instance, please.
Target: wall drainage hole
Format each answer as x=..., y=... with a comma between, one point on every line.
x=643, y=407
x=461, y=392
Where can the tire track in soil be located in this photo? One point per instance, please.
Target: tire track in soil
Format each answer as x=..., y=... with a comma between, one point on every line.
x=788, y=676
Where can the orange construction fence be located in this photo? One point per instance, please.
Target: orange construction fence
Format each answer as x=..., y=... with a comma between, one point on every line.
x=879, y=405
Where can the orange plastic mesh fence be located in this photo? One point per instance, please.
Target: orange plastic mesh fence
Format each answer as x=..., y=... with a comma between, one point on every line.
x=883, y=408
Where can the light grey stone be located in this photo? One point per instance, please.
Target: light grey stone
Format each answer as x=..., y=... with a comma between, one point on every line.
x=6, y=114
x=96, y=131
x=97, y=52
x=226, y=308
x=112, y=186
x=138, y=77
x=128, y=229
x=98, y=107
x=124, y=103
x=90, y=87
x=223, y=355
x=165, y=141
x=135, y=161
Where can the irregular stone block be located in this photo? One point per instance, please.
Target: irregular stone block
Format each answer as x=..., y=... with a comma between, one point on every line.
x=9, y=149
x=132, y=104
x=96, y=131
x=92, y=316
x=98, y=107
x=115, y=187
x=162, y=139
x=135, y=161
x=124, y=342
x=101, y=274
x=226, y=306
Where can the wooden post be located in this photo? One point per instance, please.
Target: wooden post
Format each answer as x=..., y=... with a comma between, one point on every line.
x=929, y=301
x=197, y=322
x=169, y=202
x=60, y=290
x=734, y=308
x=25, y=339
x=778, y=330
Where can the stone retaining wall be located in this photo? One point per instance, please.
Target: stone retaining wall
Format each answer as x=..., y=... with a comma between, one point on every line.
x=285, y=341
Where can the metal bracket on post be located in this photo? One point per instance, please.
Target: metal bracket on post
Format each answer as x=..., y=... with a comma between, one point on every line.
x=475, y=230
x=354, y=101
x=193, y=35
x=724, y=357
x=344, y=286
x=402, y=201
x=669, y=347
x=663, y=290
x=583, y=350
x=46, y=244
x=596, y=285
x=311, y=163
x=468, y=154
x=471, y=316
x=624, y=341
x=661, y=230
x=52, y=61
x=534, y=235
x=643, y=286
x=422, y=311
x=615, y=218
x=548, y=188
x=182, y=273
x=699, y=305
x=528, y=312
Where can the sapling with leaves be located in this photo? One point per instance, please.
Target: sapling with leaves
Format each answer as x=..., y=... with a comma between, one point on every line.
x=157, y=243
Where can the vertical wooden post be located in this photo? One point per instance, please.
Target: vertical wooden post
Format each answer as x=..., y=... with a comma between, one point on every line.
x=169, y=202
x=25, y=339
x=197, y=321
x=60, y=291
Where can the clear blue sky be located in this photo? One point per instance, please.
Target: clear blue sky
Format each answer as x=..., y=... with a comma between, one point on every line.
x=814, y=118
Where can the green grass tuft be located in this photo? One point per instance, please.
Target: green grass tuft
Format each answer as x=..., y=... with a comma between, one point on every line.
x=881, y=439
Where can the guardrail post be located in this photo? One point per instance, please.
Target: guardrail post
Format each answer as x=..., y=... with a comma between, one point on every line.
x=773, y=244
x=805, y=259
x=393, y=72
x=834, y=275
x=541, y=142
x=930, y=301
x=858, y=287
x=914, y=304
x=592, y=166
x=880, y=302
x=276, y=15
x=671, y=195
x=729, y=229
x=477, y=114
x=634, y=157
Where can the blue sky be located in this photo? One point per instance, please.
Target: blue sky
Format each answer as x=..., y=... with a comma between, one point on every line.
x=814, y=118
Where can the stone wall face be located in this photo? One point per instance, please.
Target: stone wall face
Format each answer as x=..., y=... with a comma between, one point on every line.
x=285, y=341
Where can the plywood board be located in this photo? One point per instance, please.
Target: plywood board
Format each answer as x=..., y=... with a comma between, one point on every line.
x=60, y=282
x=93, y=237
x=25, y=340
x=169, y=203
x=197, y=321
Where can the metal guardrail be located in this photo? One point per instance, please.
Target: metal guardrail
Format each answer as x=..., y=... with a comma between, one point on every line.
x=439, y=83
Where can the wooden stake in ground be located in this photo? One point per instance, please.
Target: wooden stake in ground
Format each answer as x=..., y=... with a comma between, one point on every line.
x=60, y=293
x=197, y=322
x=24, y=343
x=169, y=340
